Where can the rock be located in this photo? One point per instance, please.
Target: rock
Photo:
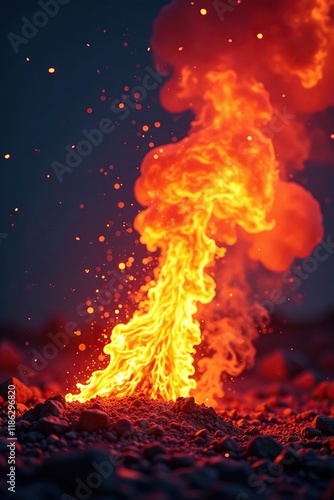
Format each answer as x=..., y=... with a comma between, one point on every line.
x=282, y=364
x=263, y=447
x=231, y=470
x=324, y=424
x=51, y=408
x=131, y=458
x=210, y=412
x=52, y=439
x=111, y=437
x=36, y=392
x=98, y=406
x=226, y=444
x=305, y=380
x=123, y=428
x=22, y=425
x=264, y=407
x=34, y=436
x=157, y=430
x=306, y=415
x=253, y=431
x=71, y=435
x=10, y=355
x=199, y=441
x=21, y=408
x=289, y=459
x=178, y=460
x=22, y=393
x=50, y=425
x=69, y=466
x=176, y=426
x=154, y=449
x=331, y=445
x=59, y=398
x=203, y=477
x=186, y=405
x=311, y=432
x=38, y=490
x=142, y=423
x=92, y=420
x=203, y=433
x=324, y=390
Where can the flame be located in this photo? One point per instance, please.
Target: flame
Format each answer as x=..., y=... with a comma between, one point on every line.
x=206, y=194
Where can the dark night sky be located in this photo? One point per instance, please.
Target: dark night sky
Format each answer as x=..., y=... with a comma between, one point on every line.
x=42, y=270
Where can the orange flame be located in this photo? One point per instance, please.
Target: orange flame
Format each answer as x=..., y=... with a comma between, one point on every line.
x=202, y=194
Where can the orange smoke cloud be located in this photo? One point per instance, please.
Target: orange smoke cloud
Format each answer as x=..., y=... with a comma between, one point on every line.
x=293, y=57
x=297, y=231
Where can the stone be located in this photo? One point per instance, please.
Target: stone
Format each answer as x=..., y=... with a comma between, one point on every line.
x=263, y=447
x=305, y=380
x=324, y=390
x=59, y=398
x=230, y=469
x=51, y=408
x=311, y=432
x=282, y=364
x=50, y=425
x=289, y=460
x=306, y=415
x=9, y=354
x=92, y=420
x=179, y=460
x=157, y=430
x=227, y=444
x=203, y=433
x=22, y=393
x=154, y=449
x=142, y=423
x=67, y=466
x=110, y=436
x=123, y=427
x=186, y=405
x=324, y=424
x=33, y=436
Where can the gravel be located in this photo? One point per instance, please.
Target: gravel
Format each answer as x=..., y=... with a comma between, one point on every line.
x=274, y=442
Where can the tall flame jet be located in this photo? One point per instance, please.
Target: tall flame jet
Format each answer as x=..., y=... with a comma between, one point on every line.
x=249, y=73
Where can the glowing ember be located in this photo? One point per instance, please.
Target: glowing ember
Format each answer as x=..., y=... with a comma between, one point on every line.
x=220, y=190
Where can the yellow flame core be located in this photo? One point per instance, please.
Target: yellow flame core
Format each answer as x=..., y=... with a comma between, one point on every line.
x=196, y=192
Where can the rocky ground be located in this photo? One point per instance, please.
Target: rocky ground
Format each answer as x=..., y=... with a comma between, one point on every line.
x=272, y=437
x=274, y=442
